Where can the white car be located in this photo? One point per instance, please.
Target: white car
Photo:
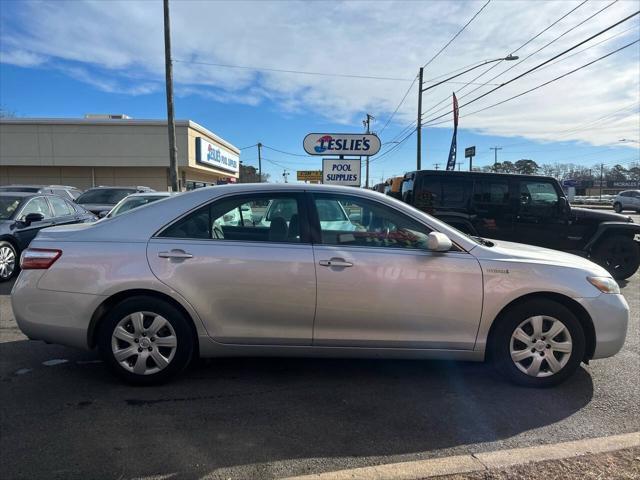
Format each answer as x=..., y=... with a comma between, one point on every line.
x=627, y=200
x=155, y=287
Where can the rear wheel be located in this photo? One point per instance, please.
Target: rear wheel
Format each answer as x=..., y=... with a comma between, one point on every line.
x=8, y=261
x=539, y=343
x=620, y=255
x=145, y=340
x=617, y=207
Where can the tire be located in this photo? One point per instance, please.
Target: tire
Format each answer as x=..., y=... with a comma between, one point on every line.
x=536, y=353
x=134, y=355
x=619, y=254
x=9, y=261
x=617, y=207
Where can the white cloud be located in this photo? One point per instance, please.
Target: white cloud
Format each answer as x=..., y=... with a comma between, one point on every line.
x=391, y=39
x=21, y=58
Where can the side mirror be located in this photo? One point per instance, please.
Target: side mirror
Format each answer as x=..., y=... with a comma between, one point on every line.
x=32, y=218
x=438, y=242
x=563, y=204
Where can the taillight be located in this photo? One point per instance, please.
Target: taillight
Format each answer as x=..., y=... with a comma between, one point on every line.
x=39, y=258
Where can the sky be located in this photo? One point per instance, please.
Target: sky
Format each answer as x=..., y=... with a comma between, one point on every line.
x=68, y=58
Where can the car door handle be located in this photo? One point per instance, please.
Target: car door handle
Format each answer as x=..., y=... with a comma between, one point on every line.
x=180, y=254
x=335, y=262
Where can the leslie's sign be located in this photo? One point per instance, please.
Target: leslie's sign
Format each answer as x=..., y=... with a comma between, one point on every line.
x=341, y=144
x=212, y=155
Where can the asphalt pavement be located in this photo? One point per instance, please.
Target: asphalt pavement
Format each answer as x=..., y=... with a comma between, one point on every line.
x=64, y=416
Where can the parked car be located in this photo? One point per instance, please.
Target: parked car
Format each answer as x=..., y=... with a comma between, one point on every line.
x=627, y=200
x=103, y=199
x=393, y=187
x=528, y=209
x=65, y=191
x=23, y=215
x=160, y=285
x=134, y=200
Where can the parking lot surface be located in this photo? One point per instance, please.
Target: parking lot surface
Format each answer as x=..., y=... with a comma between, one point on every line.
x=64, y=416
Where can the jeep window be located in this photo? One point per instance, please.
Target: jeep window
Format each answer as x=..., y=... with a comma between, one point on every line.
x=537, y=193
x=428, y=194
x=455, y=192
x=491, y=192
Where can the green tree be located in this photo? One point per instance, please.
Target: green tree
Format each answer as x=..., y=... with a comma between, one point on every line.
x=526, y=167
x=617, y=172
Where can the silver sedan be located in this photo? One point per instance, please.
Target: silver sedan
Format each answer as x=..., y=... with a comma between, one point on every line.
x=332, y=272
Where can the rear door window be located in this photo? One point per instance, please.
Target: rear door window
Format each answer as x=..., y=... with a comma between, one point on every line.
x=491, y=192
x=260, y=217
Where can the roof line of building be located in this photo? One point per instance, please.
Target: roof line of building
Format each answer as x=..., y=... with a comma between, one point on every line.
x=132, y=121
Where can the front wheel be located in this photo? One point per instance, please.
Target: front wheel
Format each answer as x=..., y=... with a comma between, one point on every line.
x=539, y=343
x=617, y=207
x=620, y=255
x=8, y=261
x=145, y=340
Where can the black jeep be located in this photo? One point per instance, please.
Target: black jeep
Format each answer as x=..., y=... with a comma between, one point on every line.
x=525, y=209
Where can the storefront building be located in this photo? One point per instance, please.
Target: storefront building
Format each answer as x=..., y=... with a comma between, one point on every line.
x=112, y=150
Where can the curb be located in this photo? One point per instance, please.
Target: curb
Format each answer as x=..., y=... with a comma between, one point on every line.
x=478, y=462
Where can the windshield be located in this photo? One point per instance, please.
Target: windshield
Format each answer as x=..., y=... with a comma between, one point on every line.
x=108, y=196
x=133, y=202
x=8, y=206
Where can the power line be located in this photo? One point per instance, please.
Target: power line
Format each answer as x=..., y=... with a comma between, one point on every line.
x=399, y=105
x=455, y=36
x=517, y=77
x=521, y=47
x=545, y=83
x=250, y=146
x=285, y=152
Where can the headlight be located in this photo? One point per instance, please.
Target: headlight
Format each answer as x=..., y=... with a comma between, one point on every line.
x=604, y=284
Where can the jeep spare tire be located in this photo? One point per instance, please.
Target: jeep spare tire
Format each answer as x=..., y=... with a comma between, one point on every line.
x=619, y=254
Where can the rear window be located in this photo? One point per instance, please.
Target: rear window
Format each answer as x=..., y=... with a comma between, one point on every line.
x=107, y=196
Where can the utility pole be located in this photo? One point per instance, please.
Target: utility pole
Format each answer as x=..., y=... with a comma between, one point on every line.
x=367, y=124
x=601, y=177
x=495, y=150
x=436, y=165
x=259, y=162
x=419, y=124
x=171, y=122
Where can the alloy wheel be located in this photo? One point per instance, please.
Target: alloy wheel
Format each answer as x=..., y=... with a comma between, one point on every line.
x=7, y=262
x=144, y=343
x=541, y=346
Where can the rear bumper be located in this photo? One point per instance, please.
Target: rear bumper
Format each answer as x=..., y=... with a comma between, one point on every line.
x=610, y=315
x=55, y=317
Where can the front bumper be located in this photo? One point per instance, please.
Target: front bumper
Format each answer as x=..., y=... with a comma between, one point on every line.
x=56, y=317
x=610, y=316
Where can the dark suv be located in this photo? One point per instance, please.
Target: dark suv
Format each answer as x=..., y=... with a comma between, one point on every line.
x=525, y=209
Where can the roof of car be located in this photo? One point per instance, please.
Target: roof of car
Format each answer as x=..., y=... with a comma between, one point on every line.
x=467, y=174
x=27, y=194
x=151, y=194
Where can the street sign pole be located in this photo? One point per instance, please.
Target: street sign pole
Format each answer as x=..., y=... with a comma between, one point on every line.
x=469, y=153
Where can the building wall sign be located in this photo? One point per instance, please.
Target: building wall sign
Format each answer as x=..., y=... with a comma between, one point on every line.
x=341, y=144
x=309, y=175
x=212, y=155
x=341, y=172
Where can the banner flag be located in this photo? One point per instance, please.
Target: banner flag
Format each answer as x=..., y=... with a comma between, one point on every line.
x=451, y=163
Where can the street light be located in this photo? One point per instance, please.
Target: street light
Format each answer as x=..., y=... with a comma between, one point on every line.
x=508, y=58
